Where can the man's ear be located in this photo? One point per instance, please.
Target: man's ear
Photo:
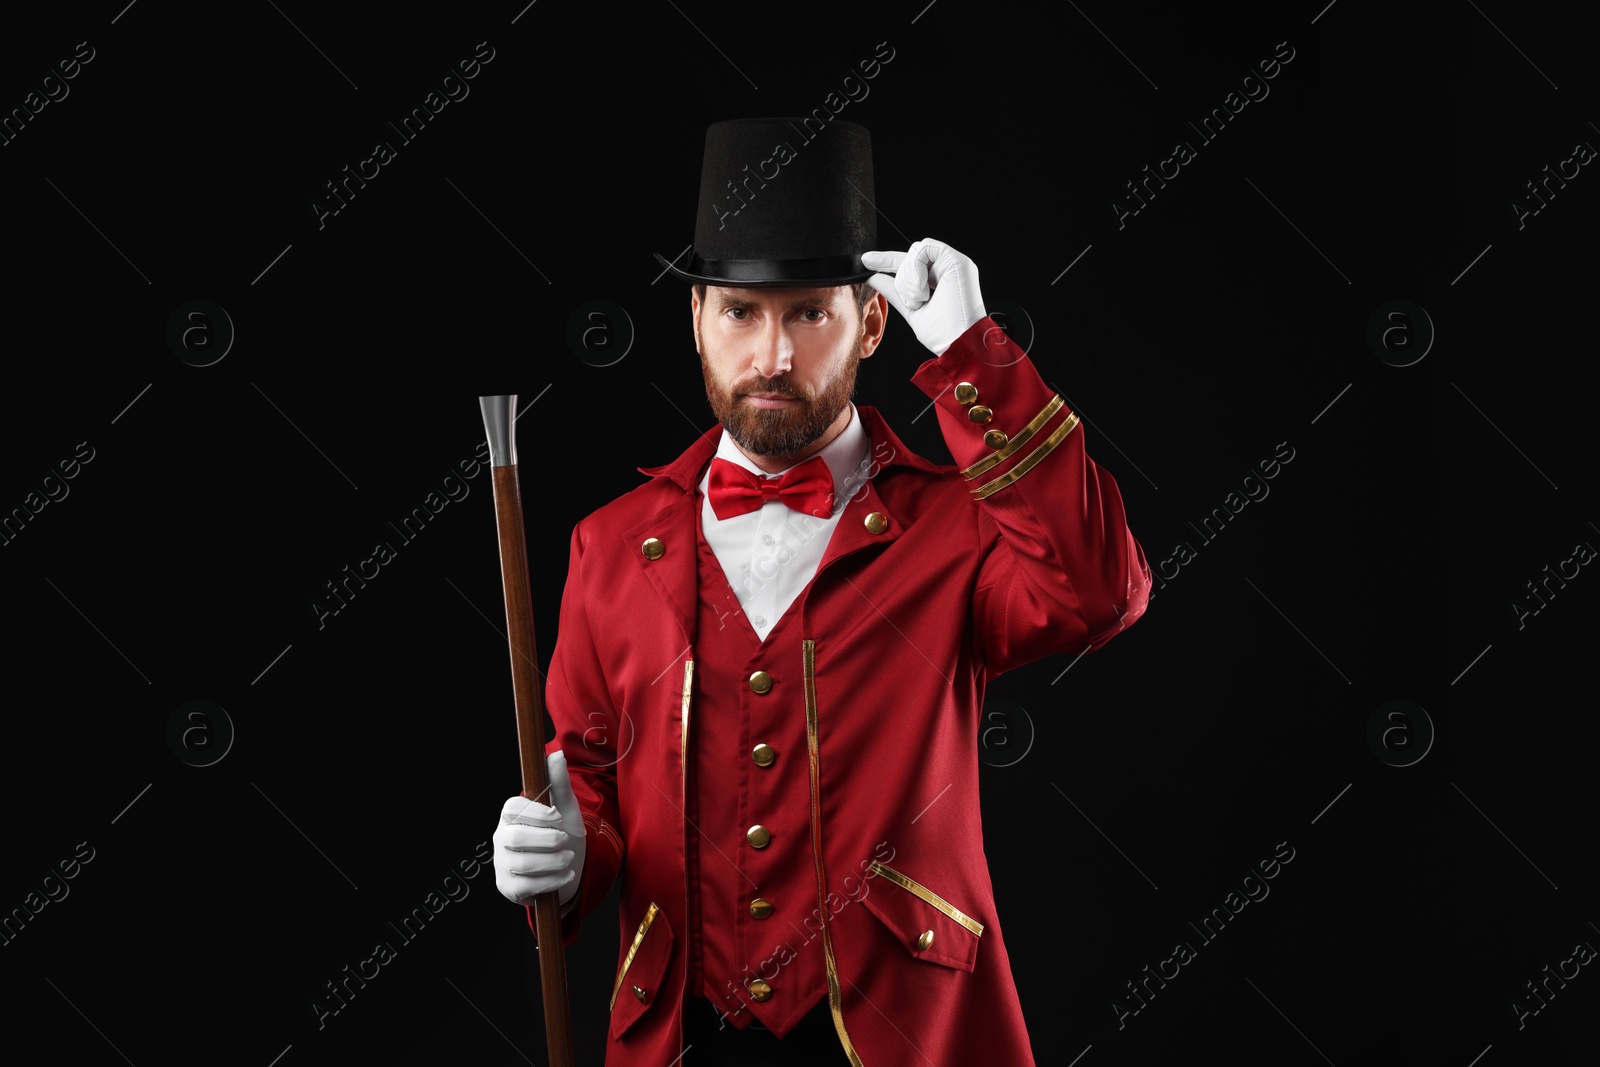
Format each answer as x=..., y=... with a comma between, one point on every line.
x=875, y=319
x=694, y=317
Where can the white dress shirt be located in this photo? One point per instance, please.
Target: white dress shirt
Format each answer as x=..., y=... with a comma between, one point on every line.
x=771, y=554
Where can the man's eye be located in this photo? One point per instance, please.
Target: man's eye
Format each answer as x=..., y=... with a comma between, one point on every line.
x=737, y=313
x=818, y=312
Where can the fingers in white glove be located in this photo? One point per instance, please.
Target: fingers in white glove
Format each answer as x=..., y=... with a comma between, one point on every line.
x=521, y=838
x=561, y=794
x=887, y=263
x=914, y=270
x=934, y=287
x=884, y=261
x=520, y=810
x=540, y=848
x=885, y=284
x=917, y=278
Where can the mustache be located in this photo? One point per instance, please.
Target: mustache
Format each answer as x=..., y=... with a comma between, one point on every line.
x=781, y=386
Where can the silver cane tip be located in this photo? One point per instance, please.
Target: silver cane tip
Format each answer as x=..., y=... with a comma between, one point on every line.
x=499, y=420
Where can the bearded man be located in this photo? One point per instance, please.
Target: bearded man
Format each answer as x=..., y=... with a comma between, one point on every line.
x=772, y=655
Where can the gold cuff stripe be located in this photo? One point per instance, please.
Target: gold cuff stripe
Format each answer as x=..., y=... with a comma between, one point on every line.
x=604, y=829
x=1023, y=436
x=835, y=995
x=627, y=961
x=917, y=889
x=1026, y=464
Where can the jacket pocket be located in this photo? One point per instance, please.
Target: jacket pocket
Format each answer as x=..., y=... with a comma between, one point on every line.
x=640, y=974
x=930, y=927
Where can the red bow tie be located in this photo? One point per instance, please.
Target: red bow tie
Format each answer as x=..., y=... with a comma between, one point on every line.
x=806, y=487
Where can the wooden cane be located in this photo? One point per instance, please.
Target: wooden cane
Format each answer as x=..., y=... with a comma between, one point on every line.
x=499, y=424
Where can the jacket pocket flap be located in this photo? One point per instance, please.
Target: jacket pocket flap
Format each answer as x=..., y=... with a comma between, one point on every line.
x=639, y=977
x=930, y=927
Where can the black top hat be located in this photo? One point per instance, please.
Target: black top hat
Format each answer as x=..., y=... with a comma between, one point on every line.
x=784, y=204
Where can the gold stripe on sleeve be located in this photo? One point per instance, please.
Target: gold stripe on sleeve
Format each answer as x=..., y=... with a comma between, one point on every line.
x=604, y=829
x=1023, y=436
x=1026, y=464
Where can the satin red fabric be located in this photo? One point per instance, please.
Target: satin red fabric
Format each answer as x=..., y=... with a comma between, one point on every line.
x=924, y=595
x=806, y=487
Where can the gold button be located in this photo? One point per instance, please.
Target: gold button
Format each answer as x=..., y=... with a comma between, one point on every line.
x=925, y=940
x=653, y=548
x=761, y=907
x=966, y=392
x=763, y=755
x=758, y=835
x=760, y=989
x=979, y=414
x=639, y=993
x=877, y=522
x=996, y=439
x=760, y=682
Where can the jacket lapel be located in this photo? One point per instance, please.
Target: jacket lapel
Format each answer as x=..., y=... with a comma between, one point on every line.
x=674, y=574
x=887, y=450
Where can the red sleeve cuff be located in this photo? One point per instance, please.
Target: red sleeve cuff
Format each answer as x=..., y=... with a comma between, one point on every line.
x=602, y=861
x=987, y=391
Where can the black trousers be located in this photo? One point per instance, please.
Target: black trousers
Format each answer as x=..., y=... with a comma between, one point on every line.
x=713, y=1042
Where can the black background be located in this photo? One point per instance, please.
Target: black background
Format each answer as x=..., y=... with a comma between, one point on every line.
x=1125, y=799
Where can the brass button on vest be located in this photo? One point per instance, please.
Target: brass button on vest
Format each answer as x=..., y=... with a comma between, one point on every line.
x=877, y=522
x=925, y=940
x=760, y=989
x=980, y=414
x=966, y=393
x=760, y=682
x=653, y=548
x=763, y=755
x=758, y=836
x=996, y=439
x=639, y=993
x=761, y=907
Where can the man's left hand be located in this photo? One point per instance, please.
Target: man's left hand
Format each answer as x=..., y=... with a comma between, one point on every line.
x=933, y=286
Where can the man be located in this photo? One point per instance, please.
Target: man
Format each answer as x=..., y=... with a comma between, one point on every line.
x=766, y=689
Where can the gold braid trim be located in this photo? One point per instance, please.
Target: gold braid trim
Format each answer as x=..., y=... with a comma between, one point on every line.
x=1026, y=464
x=1023, y=436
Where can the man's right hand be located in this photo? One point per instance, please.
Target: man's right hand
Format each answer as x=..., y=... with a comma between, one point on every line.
x=540, y=847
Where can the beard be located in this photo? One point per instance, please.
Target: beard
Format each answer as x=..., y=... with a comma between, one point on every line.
x=781, y=431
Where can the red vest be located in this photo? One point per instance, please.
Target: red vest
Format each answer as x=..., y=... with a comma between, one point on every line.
x=749, y=770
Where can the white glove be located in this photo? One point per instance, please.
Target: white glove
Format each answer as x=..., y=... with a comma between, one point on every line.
x=935, y=288
x=539, y=847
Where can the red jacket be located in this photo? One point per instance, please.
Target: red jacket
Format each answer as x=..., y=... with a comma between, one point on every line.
x=937, y=579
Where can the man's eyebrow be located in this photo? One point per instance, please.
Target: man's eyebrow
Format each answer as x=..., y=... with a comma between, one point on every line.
x=826, y=300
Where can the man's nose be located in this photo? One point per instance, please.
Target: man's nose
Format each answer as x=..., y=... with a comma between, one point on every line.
x=773, y=352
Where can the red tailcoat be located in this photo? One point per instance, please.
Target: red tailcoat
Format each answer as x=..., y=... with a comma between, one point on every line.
x=936, y=579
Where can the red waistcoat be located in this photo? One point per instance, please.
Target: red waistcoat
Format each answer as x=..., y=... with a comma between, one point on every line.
x=747, y=904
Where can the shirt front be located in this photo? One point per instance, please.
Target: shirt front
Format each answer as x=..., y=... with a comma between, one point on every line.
x=770, y=554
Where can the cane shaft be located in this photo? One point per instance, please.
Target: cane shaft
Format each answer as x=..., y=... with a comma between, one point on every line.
x=530, y=741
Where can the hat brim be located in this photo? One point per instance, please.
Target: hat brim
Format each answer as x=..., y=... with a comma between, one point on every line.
x=822, y=273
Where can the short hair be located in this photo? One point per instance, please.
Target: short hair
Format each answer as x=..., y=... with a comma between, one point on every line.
x=863, y=292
